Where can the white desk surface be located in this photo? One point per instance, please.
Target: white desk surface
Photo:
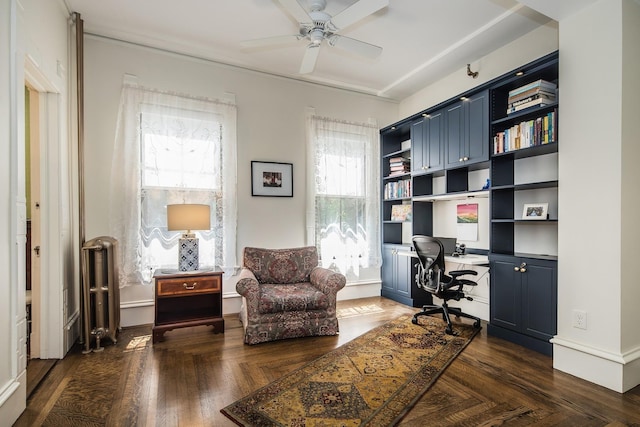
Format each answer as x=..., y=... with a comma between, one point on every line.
x=468, y=259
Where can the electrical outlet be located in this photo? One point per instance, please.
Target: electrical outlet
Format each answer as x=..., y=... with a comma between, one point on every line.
x=579, y=319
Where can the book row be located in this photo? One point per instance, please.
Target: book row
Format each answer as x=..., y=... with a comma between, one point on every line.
x=530, y=133
x=398, y=189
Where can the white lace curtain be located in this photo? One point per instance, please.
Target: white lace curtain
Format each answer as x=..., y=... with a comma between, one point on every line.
x=171, y=148
x=343, y=190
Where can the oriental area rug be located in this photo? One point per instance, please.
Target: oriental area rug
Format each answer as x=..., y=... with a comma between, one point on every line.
x=373, y=380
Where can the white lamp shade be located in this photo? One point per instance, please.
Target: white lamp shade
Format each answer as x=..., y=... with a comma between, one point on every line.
x=188, y=217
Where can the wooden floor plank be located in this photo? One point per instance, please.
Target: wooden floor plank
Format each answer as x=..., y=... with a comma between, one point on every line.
x=188, y=378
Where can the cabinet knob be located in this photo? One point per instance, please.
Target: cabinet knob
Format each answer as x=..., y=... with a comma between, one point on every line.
x=189, y=287
x=522, y=268
x=465, y=158
x=425, y=168
x=460, y=159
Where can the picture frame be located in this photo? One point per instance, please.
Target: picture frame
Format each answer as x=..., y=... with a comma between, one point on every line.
x=271, y=179
x=535, y=211
x=401, y=213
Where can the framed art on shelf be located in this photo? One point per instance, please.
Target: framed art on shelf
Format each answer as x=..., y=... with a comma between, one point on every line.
x=535, y=211
x=271, y=179
x=401, y=213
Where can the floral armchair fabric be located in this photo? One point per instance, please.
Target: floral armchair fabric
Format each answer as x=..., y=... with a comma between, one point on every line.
x=286, y=295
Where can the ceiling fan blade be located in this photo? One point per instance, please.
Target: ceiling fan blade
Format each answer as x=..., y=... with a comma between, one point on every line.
x=357, y=11
x=355, y=46
x=270, y=41
x=295, y=10
x=309, y=59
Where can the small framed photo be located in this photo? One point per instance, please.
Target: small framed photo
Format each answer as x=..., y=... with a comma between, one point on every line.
x=535, y=211
x=271, y=179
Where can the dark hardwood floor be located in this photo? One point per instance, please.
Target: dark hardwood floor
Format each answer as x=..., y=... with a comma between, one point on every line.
x=188, y=378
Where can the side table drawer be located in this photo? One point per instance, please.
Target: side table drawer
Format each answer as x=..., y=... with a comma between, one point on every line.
x=188, y=285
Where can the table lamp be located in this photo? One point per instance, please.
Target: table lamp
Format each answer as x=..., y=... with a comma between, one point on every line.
x=188, y=217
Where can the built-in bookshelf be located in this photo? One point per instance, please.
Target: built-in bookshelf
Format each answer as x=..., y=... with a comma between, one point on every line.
x=396, y=184
x=524, y=172
x=497, y=141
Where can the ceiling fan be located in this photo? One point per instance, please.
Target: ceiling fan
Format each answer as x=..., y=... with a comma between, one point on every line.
x=317, y=26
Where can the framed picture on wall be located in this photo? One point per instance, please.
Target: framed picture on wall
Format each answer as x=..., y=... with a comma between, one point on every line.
x=535, y=211
x=271, y=179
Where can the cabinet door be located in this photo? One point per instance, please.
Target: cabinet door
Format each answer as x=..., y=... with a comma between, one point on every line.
x=418, y=146
x=426, y=143
x=476, y=147
x=388, y=267
x=403, y=274
x=539, y=298
x=434, y=136
x=467, y=135
x=506, y=293
x=454, y=135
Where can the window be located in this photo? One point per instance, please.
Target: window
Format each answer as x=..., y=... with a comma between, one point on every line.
x=171, y=149
x=180, y=163
x=343, y=207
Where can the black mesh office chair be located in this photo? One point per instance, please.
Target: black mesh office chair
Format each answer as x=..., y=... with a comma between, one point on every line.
x=431, y=277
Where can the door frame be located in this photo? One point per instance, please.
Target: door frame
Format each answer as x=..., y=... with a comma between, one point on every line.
x=50, y=323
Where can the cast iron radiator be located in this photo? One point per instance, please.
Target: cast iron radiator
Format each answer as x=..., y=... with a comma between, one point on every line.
x=100, y=291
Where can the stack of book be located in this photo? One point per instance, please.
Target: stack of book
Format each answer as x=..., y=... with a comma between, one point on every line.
x=399, y=166
x=539, y=93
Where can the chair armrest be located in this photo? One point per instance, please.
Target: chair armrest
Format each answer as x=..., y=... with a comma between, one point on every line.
x=327, y=281
x=457, y=273
x=247, y=283
x=249, y=288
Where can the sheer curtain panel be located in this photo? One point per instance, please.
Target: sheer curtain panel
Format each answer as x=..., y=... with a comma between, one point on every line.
x=343, y=193
x=171, y=148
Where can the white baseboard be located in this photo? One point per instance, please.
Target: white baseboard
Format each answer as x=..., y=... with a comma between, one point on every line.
x=13, y=400
x=617, y=372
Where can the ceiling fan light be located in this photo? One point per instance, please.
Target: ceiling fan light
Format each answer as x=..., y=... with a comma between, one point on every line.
x=316, y=35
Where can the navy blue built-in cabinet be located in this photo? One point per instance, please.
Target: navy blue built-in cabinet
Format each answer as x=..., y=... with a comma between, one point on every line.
x=446, y=143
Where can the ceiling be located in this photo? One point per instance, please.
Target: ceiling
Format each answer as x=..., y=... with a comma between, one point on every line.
x=422, y=40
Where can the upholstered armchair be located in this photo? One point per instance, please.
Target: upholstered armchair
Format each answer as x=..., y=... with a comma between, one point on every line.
x=286, y=295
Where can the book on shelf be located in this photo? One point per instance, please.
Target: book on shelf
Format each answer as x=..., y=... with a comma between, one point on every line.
x=540, y=102
x=398, y=160
x=531, y=92
x=399, y=165
x=530, y=98
x=401, y=212
x=538, y=84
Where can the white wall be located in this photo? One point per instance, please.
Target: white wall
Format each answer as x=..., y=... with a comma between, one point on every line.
x=271, y=127
x=527, y=48
x=599, y=65
x=34, y=32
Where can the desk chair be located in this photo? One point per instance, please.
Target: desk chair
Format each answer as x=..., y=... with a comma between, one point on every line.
x=431, y=278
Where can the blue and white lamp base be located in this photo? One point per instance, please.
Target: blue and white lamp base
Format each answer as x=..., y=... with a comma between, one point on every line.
x=188, y=253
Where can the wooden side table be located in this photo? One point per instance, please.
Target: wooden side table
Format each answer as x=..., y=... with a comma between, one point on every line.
x=187, y=299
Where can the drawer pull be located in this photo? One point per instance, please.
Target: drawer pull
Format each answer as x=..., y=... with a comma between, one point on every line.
x=189, y=288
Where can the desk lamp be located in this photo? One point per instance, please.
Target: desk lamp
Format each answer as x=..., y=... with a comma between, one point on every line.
x=188, y=217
